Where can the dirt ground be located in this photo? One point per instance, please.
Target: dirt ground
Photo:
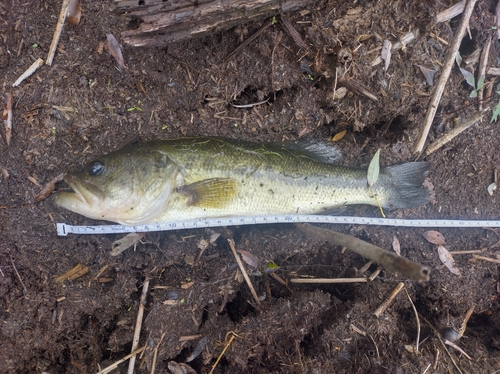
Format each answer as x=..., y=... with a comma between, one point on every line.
x=83, y=106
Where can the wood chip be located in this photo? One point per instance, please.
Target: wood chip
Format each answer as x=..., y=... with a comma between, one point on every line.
x=7, y=117
x=28, y=72
x=386, y=53
x=396, y=246
x=74, y=12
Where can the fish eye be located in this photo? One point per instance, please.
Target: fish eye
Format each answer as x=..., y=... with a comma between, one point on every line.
x=96, y=168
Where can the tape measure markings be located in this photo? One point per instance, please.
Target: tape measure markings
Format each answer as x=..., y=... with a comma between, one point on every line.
x=64, y=229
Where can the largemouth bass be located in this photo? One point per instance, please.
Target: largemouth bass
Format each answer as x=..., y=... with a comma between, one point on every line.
x=202, y=177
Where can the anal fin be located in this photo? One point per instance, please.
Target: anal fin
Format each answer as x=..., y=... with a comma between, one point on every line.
x=210, y=193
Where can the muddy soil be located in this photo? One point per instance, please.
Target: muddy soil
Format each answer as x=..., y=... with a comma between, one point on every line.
x=83, y=106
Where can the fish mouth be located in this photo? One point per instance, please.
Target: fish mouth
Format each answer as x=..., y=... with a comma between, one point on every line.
x=83, y=194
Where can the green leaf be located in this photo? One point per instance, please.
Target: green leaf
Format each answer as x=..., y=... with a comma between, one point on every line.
x=480, y=83
x=469, y=77
x=373, y=169
x=496, y=113
x=473, y=94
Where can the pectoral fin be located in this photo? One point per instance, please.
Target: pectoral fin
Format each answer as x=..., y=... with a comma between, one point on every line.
x=210, y=193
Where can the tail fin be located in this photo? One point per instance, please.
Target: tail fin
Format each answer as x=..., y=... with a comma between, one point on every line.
x=405, y=183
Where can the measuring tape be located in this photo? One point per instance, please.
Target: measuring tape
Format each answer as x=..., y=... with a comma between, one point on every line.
x=64, y=229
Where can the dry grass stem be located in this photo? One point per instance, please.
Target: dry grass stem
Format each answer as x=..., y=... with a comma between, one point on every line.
x=416, y=318
x=382, y=307
x=494, y=260
x=57, y=32
x=138, y=325
x=451, y=344
x=403, y=41
x=75, y=273
x=248, y=41
x=233, y=335
x=327, y=280
x=25, y=290
x=113, y=366
x=445, y=73
x=7, y=118
x=243, y=271
x=187, y=338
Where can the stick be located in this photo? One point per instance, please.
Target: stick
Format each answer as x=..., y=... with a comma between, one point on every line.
x=155, y=354
x=468, y=122
x=243, y=271
x=483, y=62
x=34, y=66
x=388, y=260
x=115, y=365
x=382, y=307
x=445, y=73
x=138, y=325
x=57, y=33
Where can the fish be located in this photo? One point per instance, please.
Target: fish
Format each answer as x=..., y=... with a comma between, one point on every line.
x=209, y=177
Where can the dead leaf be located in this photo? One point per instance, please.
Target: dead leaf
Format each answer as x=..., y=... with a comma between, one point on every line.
x=115, y=50
x=187, y=285
x=434, y=237
x=249, y=258
x=428, y=71
x=396, y=246
x=74, y=12
x=448, y=261
x=339, y=136
x=48, y=188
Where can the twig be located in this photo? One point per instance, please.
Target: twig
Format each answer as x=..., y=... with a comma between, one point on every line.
x=483, y=62
x=243, y=271
x=7, y=118
x=494, y=260
x=436, y=332
x=138, y=325
x=468, y=122
x=249, y=40
x=445, y=73
x=187, y=338
x=328, y=280
x=357, y=87
x=451, y=344
x=293, y=33
x=155, y=354
x=388, y=260
x=467, y=316
x=416, y=317
x=57, y=32
x=436, y=359
x=382, y=307
x=25, y=290
x=249, y=105
x=34, y=66
x=113, y=366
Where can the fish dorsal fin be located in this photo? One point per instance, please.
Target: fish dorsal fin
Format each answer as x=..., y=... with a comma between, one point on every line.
x=321, y=151
x=210, y=193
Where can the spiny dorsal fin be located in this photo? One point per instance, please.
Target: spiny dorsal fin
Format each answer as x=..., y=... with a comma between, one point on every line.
x=322, y=151
x=210, y=193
